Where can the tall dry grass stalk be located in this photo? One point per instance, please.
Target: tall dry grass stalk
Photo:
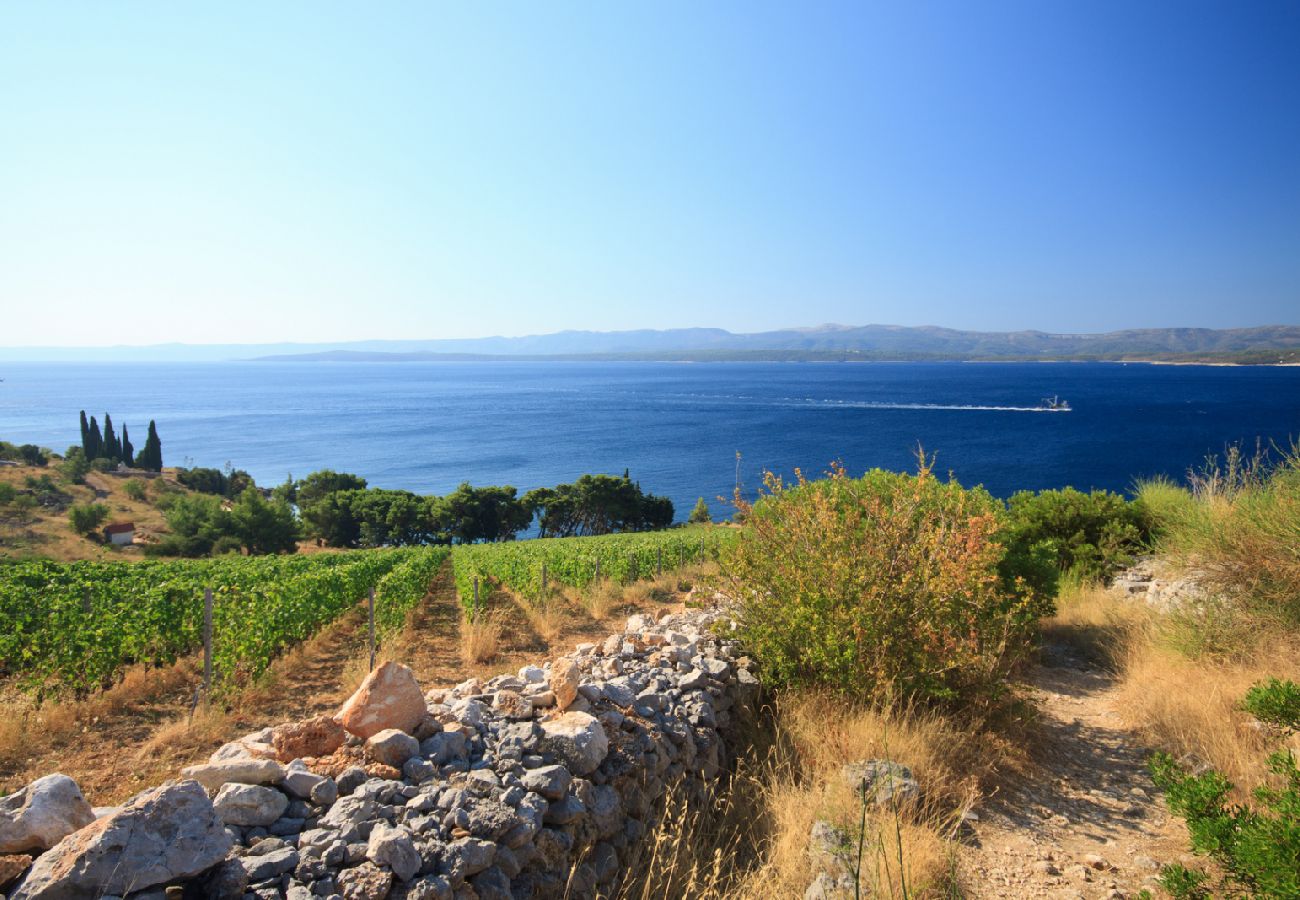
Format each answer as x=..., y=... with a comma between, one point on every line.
x=752, y=841
x=27, y=728
x=480, y=638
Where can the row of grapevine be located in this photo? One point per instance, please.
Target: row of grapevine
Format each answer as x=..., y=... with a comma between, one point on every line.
x=76, y=625
x=405, y=585
x=577, y=562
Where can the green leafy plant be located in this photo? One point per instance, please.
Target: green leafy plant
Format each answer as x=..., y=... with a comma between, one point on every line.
x=1257, y=846
x=84, y=518
x=1091, y=535
x=883, y=587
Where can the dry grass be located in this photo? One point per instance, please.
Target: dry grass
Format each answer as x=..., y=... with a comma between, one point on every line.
x=1190, y=706
x=752, y=840
x=1186, y=705
x=27, y=729
x=547, y=616
x=480, y=638
x=601, y=600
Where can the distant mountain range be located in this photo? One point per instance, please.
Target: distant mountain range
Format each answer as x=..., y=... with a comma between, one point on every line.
x=1266, y=344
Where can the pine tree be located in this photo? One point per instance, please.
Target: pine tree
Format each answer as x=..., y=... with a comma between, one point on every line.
x=128, y=452
x=700, y=514
x=85, y=435
x=112, y=450
x=96, y=448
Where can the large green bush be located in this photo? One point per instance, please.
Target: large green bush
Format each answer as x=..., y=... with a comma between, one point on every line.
x=881, y=587
x=1090, y=535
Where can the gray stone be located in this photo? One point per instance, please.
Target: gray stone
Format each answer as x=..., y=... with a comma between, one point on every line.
x=884, y=781
x=349, y=811
x=365, y=882
x=491, y=884
x=325, y=793
x=162, y=835
x=246, y=770
x=43, y=813
x=269, y=865
x=300, y=783
x=350, y=779
x=577, y=739
x=392, y=747
x=393, y=847
x=249, y=804
x=552, y=782
x=430, y=887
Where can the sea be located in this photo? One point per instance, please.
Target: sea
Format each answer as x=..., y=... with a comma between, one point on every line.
x=685, y=430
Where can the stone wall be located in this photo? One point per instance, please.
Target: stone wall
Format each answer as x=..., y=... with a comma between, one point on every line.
x=541, y=784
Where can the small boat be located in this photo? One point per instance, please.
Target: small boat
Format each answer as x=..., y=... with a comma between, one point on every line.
x=1055, y=404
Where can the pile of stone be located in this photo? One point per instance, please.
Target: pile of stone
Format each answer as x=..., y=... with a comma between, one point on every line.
x=540, y=784
x=1160, y=586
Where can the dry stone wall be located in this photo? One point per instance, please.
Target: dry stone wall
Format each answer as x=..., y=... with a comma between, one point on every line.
x=539, y=784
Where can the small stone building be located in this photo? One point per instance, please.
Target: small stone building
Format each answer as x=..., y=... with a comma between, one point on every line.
x=120, y=533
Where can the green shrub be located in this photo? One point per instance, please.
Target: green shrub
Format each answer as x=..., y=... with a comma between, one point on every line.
x=7, y=493
x=1092, y=535
x=700, y=514
x=86, y=517
x=74, y=467
x=1257, y=847
x=879, y=587
x=134, y=488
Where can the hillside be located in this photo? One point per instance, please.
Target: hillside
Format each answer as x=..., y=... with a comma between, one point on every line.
x=1269, y=344
x=43, y=530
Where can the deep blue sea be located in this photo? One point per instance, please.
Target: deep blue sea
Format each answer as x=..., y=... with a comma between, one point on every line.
x=677, y=427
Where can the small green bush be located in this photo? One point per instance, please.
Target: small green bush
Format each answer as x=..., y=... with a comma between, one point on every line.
x=134, y=488
x=7, y=493
x=700, y=515
x=1091, y=535
x=1258, y=848
x=86, y=517
x=881, y=587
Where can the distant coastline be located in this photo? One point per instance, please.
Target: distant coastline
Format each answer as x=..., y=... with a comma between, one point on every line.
x=1261, y=345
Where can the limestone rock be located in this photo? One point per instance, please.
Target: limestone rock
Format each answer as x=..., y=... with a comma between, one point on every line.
x=246, y=770
x=563, y=681
x=512, y=705
x=552, y=782
x=365, y=882
x=884, y=781
x=11, y=867
x=392, y=747
x=43, y=813
x=161, y=835
x=318, y=736
x=577, y=739
x=249, y=804
x=390, y=697
x=394, y=848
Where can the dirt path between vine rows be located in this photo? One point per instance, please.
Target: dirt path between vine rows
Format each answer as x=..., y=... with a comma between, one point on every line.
x=1086, y=821
x=141, y=732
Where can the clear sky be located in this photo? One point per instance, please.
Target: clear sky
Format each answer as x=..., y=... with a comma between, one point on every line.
x=323, y=171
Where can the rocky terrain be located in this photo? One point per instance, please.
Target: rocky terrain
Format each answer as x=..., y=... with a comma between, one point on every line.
x=536, y=784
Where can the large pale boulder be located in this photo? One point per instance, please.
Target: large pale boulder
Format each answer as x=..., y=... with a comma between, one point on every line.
x=563, y=681
x=247, y=770
x=161, y=835
x=392, y=747
x=42, y=814
x=390, y=697
x=577, y=740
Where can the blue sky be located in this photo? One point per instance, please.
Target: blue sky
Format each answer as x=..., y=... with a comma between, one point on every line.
x=317, y=171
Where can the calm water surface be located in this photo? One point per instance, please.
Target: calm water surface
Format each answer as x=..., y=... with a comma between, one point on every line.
x=677, y=427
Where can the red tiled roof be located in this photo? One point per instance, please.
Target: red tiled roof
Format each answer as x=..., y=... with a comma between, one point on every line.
x=119, y=527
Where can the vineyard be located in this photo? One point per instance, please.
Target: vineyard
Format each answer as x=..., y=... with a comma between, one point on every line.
x=76, y=626
x=528, y=568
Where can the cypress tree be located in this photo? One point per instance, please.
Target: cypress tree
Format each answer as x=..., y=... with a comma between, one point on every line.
x=128, y=452
x=151, y=455
x=96, y=448
x=112, y=450
x=85, y=435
